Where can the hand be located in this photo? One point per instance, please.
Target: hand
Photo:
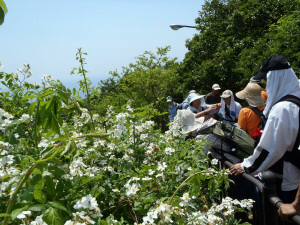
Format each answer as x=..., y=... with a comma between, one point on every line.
x=218, y=105
x=236, y=169
x=286, y=211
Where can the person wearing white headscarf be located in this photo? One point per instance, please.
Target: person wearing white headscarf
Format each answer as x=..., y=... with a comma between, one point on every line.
x=281, y=129
x=229, y=111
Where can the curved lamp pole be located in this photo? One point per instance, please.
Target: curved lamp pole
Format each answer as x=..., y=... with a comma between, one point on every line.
x=176, y=26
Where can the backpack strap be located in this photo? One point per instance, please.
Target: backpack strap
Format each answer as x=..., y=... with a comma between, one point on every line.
x=294, y=155
x=255, y=109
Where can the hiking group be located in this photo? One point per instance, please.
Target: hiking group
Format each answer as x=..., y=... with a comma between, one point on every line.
x=269, y=124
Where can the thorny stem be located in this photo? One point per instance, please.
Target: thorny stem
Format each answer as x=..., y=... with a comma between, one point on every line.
x=25, y=177
x=181, y=185
x=81, y=60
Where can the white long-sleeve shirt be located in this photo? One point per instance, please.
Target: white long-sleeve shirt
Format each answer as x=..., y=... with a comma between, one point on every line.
x=279, y=136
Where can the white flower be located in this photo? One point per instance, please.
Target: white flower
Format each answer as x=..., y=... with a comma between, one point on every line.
x=23, y=214
x=38, y=221
x=151, y=216
x=150, y=172
x=47, y=77
x=87, y=202
x=214, y=162
x=169, y=151
x=8, y=159
x=162, y=166
x=132, y=190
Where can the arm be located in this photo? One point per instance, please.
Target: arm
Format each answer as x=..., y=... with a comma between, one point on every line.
x=288, y=210
x=206, y=112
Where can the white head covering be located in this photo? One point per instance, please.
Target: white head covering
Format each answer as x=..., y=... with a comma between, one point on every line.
x=231, y=107
x=279, y=84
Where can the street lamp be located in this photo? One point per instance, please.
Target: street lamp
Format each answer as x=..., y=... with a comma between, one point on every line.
x=176, y=26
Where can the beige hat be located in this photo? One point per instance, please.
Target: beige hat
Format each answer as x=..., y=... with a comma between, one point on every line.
x=216, y=87
x=226, y=94
x=252, y=94
x=188, y=121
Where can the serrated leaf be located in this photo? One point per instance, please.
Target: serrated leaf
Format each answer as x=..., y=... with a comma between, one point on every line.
x=56, y=171
x=58, y=205
x=49, y=185
x=53, y=217
x=38, y=192
x=37, y=208
x=16, y=212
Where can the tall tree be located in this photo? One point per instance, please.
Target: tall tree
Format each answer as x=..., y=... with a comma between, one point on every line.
x=233, y=41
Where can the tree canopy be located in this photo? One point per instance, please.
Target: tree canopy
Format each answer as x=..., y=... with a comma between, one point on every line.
x=235, y=37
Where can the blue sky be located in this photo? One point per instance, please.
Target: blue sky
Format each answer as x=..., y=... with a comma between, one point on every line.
x=46, y=34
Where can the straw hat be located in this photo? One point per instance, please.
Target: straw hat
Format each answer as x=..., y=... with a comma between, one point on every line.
x=252, y=94
x=188, y=121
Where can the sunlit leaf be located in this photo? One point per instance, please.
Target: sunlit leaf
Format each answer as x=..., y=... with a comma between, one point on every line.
x=53, y=217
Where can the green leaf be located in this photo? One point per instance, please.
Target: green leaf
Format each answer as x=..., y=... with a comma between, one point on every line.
x=55, y=125
x=28, y=96
x=2, y=15
x=31, y=108
x=49, y=185
x=3, y=6
x=16, y=212
x=56, y=171
x=53, y=217
x=37, y=208
x=58, y=205
x=4, y=215
x=38, y=192
x=27, y=194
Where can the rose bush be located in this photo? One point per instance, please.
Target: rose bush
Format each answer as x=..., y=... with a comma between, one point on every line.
x=58, y=168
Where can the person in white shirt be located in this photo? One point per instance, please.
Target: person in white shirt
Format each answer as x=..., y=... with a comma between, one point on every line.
x=281, y=129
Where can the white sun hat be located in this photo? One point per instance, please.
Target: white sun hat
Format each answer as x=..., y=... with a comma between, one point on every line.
x=188, y=121
x=195, y=96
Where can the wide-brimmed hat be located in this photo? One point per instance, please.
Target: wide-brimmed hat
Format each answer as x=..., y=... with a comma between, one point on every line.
x=226, y=94
x=275, y=62
x=216, y=87
x=195, y=96
x=188, y=121
x=252, y=94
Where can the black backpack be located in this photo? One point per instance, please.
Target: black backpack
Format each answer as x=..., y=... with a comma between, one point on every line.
x=263, y=119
